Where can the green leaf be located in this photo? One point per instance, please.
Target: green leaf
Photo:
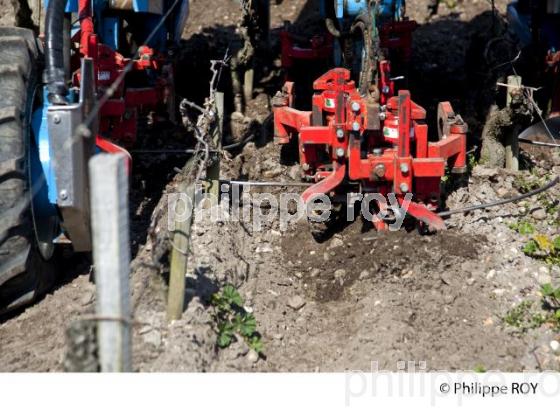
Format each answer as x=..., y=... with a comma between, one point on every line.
x=547, y=289
x=248, y=325
x=225, y=334
x=556, y=243
x=232, y=296
x=256, y=344
x=530, y=248
x=525, y=228
x=224, y=340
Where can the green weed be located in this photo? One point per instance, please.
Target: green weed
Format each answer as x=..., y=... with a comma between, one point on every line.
x=233, y=321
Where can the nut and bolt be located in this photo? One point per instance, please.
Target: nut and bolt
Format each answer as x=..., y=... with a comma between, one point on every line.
x=56, y=119
x=377, y=152
x=404, y=187
x=340, y=133
x=385, y=89
x=355, y=106
x=382, y=116
x=379, y=170
x=305, y=167
x=63, y=195
x=340, y=152
x=356, y=126
x=404, y=168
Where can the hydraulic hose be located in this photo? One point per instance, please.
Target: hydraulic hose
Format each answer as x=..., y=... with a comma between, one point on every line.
x=503, y=201
x=54, y=52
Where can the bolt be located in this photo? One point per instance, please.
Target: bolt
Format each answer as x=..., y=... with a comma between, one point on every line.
x=377, y=152
x=404, y=187
x=382, y=116
x=340, y=152
x=404, y=168
x=356, y=126
x=56, y=119
x=63, y=195
x=355, y=106
x=379, y=170
x=340, y=133
x=305, y=167
x=385, y=89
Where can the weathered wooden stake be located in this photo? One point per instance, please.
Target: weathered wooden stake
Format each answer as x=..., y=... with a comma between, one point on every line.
x=511, y=142
x=179, y=253
x=111, y=254
x=248, y=84
x=213, y=170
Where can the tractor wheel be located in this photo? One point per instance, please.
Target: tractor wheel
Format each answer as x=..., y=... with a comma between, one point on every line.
x=24, y=272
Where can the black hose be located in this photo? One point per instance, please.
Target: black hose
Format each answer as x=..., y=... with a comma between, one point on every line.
x=503, y=201
x=54, y=52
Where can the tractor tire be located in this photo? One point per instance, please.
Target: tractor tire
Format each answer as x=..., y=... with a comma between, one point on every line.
x=24, y=274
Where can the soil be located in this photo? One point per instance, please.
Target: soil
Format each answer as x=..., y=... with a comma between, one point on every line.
x=359, y=299
x=8, y=15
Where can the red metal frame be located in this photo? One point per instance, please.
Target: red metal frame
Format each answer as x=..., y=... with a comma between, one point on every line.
x=347, y=137
x=118, y=115
x=320, y=48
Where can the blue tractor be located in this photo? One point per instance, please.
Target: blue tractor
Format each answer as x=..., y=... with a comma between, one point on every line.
x=76, y=91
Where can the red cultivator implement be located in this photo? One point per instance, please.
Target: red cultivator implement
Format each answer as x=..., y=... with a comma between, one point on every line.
x=351, y=143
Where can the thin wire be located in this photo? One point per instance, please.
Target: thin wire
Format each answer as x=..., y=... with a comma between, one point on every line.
x=539, y=143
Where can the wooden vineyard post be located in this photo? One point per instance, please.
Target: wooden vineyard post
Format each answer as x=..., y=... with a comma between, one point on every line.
x=184, y=215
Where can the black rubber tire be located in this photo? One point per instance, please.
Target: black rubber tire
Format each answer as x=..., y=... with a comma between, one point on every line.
x=24, y=274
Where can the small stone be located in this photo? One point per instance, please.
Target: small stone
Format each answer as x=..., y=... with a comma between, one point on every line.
x=278, y=336
x=264, y=248
x=296, y=302
x=87, y=298
x=502, y=192
x=295, y=172
x=298, y=275
x=470, y=281
x=555, y=346
x=340, y=274
x=153, y=337
x=482, y=172
x=252, y=357
x=364, y=274
x=449, y=299
x=544, y=278
x=336, y=243
x=539, y=214
x=498, y=292
x=491, y=274
x=488, y=322
x=315, y=272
